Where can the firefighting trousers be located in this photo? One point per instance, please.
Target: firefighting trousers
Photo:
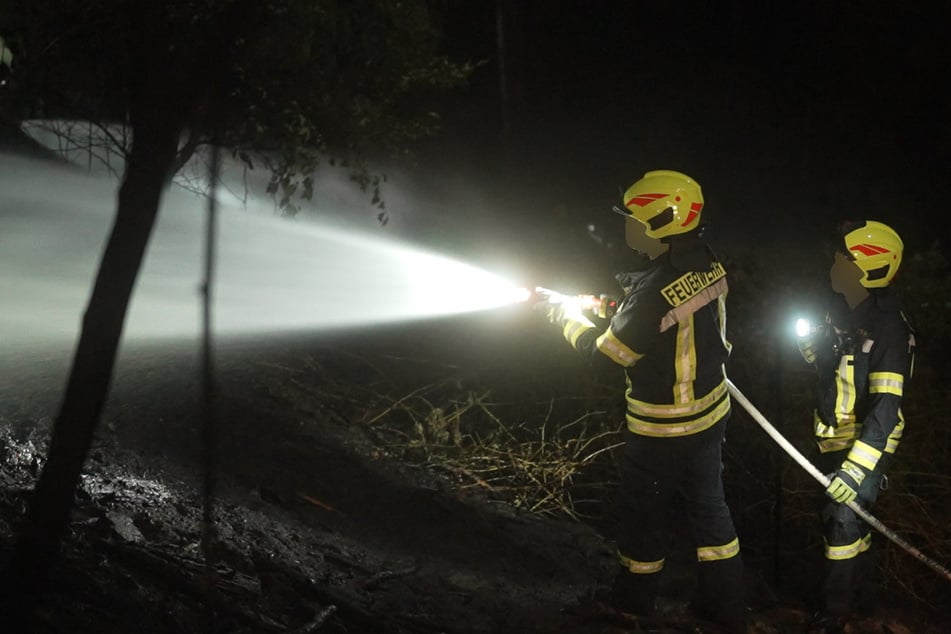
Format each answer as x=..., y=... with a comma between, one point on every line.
x=676, y=479
x=847, y=540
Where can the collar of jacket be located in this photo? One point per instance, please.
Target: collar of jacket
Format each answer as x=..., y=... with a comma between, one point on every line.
x=883, y=300
x=687, y=253
x=886, y=300
x=690, y=253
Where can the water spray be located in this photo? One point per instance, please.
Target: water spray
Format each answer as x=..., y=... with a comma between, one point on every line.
x=274, y=275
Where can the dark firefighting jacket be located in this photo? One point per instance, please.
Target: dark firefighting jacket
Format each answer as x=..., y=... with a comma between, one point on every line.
x=863, y=366
x=669, y=335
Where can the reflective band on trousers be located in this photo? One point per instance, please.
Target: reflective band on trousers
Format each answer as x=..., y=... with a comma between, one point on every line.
x=640, y=567
x=715, y=553
x=849, y=551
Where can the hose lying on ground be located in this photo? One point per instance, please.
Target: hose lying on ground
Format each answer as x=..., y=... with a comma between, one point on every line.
x=824, y=481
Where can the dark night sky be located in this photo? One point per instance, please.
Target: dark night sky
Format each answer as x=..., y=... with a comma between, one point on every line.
x=789, y=114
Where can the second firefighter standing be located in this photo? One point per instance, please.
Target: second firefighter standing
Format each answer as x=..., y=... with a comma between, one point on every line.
x=864, y=357
x=669, y=335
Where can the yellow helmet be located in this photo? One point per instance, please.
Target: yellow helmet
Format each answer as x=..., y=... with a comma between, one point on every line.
x=876, y=248
x=667, y=202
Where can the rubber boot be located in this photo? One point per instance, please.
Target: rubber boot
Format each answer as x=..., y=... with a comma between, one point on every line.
x=722, y=594
x=635, y=594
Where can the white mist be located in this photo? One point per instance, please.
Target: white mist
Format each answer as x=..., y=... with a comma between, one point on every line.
x=273, y=275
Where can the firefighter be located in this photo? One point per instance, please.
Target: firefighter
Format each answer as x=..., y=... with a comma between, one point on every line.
x=863, y=355
x=669, y=336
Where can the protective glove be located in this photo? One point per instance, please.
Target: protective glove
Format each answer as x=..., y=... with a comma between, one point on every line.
x=559, y=309
x=555, y=314
x=570, y=309
x=818, y=341
x=807, y=348
x=550, y=310
x=846, y=482
x=567, y=311
x=814, y=343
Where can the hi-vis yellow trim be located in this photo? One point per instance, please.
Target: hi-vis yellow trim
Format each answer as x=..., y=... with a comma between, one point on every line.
x=703, y=297
x=895, y=437
x=845, y=390
x=716, y=553
x=835, y=438
x=841, y=436
x=610, y=345
x=690, y=284
x=694, y=426
x=721, y=318
x=574, y=328
x=885, y=383
x=849, y=551
x=685, y=362
x=641, y=567
x=685, y=417
x=864, y=454
x=675, y=410
x=834, y=444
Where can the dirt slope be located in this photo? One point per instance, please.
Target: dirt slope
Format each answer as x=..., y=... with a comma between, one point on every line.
x=315, y=529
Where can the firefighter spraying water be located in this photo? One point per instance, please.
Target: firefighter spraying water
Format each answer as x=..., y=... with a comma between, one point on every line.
x=668, y=333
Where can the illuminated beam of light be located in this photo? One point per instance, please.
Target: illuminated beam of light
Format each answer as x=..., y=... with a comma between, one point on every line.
x=274, y=275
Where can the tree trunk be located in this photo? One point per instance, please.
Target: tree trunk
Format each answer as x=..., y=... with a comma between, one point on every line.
x=155, y=139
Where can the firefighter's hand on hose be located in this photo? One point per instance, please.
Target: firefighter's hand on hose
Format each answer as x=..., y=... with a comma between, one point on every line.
x=549, y=309
x=568, y=310
x=555, y=314
x=846, y=482
x=558, y=309
x=807, y=348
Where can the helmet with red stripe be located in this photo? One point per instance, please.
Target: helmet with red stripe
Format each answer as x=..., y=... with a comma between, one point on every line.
x=876, y=248
x=668, y=203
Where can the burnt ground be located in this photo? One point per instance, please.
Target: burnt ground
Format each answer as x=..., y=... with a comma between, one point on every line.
x=317, y=527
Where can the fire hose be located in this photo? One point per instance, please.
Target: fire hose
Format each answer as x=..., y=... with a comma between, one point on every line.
x=796, y=455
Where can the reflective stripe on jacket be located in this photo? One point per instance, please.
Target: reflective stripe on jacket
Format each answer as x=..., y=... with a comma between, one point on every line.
x=861, y=384
x=669, y=334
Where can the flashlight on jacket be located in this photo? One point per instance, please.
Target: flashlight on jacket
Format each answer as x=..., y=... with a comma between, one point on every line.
x=816, y=336
x=603, y=306
x=808, y=328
